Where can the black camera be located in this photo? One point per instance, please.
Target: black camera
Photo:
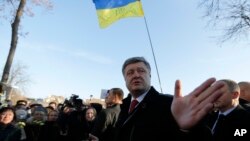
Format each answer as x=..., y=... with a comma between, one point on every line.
x=73, y=101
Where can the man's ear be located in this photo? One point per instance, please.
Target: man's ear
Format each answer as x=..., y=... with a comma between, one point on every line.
x=235, y=94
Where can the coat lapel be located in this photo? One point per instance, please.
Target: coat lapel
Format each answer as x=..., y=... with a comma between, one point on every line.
x=140, y=108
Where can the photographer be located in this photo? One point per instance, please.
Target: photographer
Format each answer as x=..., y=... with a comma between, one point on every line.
x=71, y=118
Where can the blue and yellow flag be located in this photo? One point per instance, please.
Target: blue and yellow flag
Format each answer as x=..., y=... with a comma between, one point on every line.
x=109, y=11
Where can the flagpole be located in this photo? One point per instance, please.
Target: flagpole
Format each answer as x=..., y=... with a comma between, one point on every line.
x=153, y=52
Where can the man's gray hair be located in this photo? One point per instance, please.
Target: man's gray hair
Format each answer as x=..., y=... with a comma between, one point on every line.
x=232, y=85
x=133, y=60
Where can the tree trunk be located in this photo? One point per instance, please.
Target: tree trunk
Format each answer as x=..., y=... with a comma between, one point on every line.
x=14, y=39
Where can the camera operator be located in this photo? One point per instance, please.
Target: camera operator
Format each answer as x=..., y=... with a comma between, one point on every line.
x=71, y=118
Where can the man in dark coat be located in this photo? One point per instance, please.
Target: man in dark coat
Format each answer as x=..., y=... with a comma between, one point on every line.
x=158, y=116
x=235, y=119
x=245, y=94
x=104, y=127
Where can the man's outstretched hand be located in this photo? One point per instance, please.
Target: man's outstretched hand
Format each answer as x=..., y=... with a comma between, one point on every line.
x=190, y=109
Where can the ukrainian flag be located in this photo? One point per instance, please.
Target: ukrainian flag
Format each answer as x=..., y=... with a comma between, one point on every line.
x=109, y=11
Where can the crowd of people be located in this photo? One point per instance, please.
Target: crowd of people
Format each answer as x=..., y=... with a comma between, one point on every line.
x=64, y=122
x=214, y=111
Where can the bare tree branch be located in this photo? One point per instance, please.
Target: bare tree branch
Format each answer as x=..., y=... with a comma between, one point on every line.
x=16, y=9
x=19, y=76
x=233, y=16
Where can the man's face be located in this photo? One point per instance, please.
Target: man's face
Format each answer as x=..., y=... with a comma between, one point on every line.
x=109, y=98
x=137, y=77
x=225, y=101
x=39, y=115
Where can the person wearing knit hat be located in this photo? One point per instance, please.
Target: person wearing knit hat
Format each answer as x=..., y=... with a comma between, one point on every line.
x=39, y=113
x=35, y=123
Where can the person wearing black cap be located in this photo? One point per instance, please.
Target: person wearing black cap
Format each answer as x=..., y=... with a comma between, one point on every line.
x=21, y=104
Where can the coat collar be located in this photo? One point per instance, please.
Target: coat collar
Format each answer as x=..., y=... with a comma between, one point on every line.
x=141, y=107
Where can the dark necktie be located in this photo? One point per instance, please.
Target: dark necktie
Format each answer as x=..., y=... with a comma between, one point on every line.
x=219, y=123
x=133, y=105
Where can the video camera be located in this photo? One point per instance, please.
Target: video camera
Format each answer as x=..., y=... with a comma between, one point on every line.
x=73, y=101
